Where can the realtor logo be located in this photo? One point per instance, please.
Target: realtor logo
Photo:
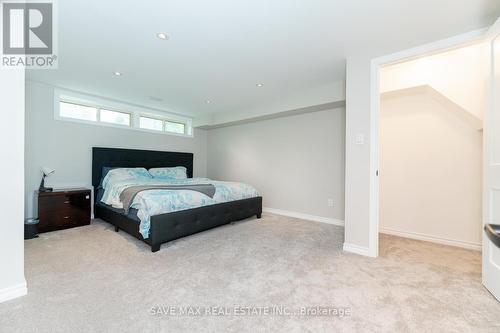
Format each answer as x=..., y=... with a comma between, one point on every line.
x=28, y=34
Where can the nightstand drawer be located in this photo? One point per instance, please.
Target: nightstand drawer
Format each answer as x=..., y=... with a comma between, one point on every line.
x=62, y=220
x=64, y=201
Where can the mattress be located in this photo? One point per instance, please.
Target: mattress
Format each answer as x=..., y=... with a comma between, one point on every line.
x=132, y=214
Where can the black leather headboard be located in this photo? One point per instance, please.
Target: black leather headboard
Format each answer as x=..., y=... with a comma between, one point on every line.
x=132, y=158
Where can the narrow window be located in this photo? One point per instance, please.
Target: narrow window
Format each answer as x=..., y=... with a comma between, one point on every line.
x=174, y=127
x=151, y=123
x=75, y=111
x=115, y=117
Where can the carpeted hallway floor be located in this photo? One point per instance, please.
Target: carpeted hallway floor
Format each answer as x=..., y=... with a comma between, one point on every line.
x=92, y=279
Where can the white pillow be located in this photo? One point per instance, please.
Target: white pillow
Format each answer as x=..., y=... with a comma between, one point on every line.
x=121, y=174
x=179, y=172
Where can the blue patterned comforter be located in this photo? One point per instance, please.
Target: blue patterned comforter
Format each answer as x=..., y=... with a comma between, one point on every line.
x=155, y=202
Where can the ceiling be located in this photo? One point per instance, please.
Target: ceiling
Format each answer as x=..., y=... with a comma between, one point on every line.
x=219, y=50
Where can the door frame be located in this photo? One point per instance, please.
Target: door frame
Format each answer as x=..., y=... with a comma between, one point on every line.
x=405, y=55
x=489, y=278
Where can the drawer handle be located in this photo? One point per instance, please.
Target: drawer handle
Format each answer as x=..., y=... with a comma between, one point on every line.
x=67, y=217
x=66, y=202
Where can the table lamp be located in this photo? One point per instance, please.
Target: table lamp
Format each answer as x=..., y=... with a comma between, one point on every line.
x=46, y=172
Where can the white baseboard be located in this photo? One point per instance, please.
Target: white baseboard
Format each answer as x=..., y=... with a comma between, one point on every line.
x=364, y=251
x=9, y=293
x=432, y=239
x=303, y=216
x=361, y=250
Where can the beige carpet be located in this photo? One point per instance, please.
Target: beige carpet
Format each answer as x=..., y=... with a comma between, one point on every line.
x=92, y=279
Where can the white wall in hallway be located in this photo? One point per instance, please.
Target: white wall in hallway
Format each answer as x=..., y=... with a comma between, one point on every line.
x=430, y=171
x=12, y=282
x=459, y=74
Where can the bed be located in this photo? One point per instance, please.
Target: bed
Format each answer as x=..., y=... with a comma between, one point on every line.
x=167, y=226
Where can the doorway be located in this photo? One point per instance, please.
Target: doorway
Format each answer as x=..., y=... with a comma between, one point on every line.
x=491, y=146
x=430, y=146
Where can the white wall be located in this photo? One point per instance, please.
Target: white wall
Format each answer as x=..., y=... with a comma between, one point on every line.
x=430, y=171
x=358, y=201
x=467, y=66
x=296, y=162
x=12, y=282
x=66, y=146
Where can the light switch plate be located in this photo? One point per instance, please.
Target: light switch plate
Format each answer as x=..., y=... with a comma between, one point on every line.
x=360, y=139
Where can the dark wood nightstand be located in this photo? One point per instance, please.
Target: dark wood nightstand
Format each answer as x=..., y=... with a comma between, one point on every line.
x=63, y=209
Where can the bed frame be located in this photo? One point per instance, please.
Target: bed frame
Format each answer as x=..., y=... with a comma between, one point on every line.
x=169, y=226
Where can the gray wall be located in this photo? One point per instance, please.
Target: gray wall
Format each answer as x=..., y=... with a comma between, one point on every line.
x=296, y=162
x=66, y=146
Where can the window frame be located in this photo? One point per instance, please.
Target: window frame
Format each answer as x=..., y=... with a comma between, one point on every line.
x=135, y=112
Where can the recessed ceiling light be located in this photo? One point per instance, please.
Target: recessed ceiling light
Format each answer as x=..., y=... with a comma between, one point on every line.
x=162, y=35
x=260, y=85
x=118, y=73
x=208, y=101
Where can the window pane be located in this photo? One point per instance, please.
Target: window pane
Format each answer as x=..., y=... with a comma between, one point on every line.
x=115, y=117
x=76, y=111
x=175, y=127
x=151, y=124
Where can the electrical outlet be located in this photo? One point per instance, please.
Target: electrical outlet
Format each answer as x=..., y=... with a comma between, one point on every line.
x=330, y=202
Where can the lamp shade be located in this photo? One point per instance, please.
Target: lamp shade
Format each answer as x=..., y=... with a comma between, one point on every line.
x=47, y=171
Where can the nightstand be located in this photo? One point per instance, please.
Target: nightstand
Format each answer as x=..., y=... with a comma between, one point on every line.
x=63, y=209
